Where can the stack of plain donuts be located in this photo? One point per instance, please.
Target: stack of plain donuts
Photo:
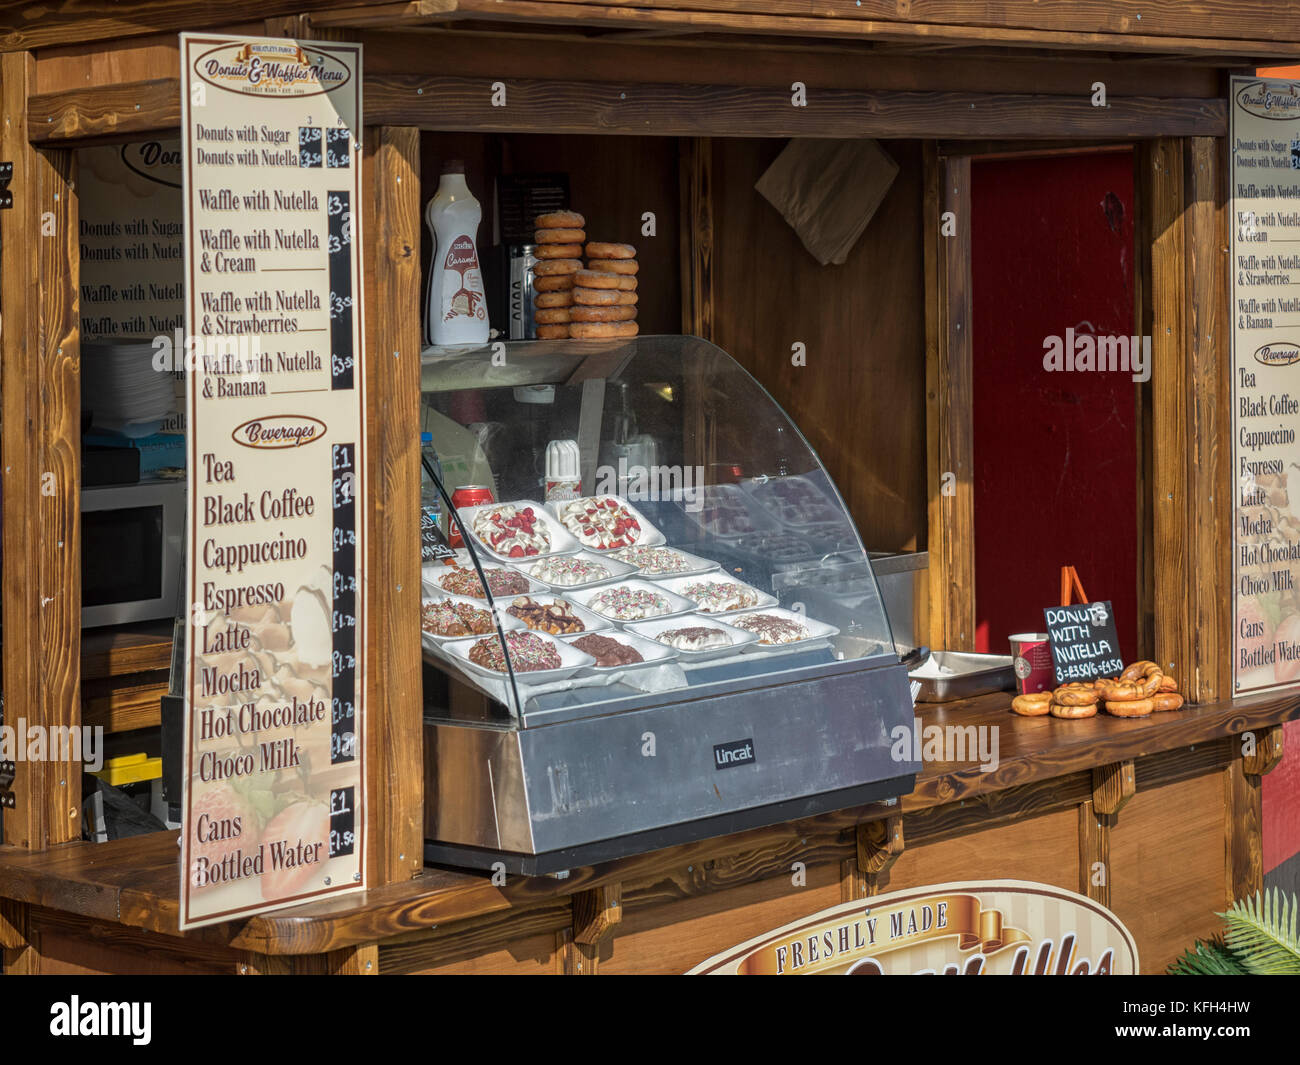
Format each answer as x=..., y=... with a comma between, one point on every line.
x=1143, y=688
x=592, y=302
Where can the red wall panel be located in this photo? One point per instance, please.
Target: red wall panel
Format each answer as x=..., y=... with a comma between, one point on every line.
x=1055, y=453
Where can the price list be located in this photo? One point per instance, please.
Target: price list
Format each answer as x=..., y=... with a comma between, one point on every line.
x=274, y=751
x=1265, y=186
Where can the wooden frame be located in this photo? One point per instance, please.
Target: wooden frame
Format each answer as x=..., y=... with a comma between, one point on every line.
x=39, y=373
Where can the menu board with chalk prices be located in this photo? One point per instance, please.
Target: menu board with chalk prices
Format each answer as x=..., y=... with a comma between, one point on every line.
x=1084, y=642
x=273, y=811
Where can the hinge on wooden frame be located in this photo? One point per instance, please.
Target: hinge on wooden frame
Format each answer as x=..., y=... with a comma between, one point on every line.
x=6, y=176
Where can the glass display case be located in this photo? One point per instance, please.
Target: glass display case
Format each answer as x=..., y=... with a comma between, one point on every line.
x=647, y=616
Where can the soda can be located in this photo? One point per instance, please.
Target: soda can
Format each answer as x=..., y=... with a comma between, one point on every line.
x=467, y=495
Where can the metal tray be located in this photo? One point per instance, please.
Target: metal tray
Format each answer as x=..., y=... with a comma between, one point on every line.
x=970, y=675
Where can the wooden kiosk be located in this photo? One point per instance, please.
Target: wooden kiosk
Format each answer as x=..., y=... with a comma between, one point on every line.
x=680, y=105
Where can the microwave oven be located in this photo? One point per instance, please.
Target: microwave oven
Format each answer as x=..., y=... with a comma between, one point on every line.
x=132, y=552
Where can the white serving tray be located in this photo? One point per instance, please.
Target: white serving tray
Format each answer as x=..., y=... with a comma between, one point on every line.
x=572, y=660
x=650, y=629
x=562, y=542
x=679, y=585
x=818, y=630
x=650, y=535
x=654, y=652
x=765, y=493
x=678, y=604
x=618, y=570
x=697, y=563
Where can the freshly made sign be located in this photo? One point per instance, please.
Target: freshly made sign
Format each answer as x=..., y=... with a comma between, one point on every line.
x=1084, y=642
x=1265, y=277
x=273, y=813
x=1002, y=927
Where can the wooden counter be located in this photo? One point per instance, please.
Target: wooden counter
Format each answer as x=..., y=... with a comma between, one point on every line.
x=1187, y=840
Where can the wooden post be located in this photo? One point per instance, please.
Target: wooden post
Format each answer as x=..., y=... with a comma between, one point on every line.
x=1189, y=322
x=394, y=693
x=696, y=213
x=949, y=425
x=39, y=369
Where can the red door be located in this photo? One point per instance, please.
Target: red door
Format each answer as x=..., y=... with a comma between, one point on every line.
x=1055, y=452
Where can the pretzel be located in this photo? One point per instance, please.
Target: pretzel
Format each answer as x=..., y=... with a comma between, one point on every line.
x=1060, y=710
x=1167, y=701
x=1130, y=707
x=1031, y=704
x=1076, y=693
x=1122, y=690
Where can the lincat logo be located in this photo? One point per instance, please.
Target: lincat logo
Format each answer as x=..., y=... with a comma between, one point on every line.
x=279, y=431
x=1279, y=101
x=1278, y=354
x=1009, y=927
x=734, y=753
x=266, y=69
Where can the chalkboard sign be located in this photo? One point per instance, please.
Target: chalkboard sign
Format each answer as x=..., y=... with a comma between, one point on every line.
x=1084, y=642
x=433, y=545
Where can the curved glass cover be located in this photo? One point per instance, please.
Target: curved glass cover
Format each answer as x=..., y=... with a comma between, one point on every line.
x=681, y=536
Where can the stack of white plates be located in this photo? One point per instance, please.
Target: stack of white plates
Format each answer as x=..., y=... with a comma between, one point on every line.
x=122, y=389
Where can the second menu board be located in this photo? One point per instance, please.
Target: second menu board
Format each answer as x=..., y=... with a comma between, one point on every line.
x=1265, y=134
x=273, y=747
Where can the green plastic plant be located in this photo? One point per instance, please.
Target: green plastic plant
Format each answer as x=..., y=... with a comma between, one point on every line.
x=1259, y=938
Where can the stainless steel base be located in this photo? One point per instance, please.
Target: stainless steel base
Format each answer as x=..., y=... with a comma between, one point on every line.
x=588, y=789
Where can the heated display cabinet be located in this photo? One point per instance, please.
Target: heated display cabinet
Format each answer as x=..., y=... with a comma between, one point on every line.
x=768, y=689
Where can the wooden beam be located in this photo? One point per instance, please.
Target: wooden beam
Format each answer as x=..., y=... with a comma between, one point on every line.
x=696, y=241
x=649, y=109
x=949, y=427
x=1112, y=787
x=394, y=690
x=965, y=25
x=685, y=110
x=117, y=110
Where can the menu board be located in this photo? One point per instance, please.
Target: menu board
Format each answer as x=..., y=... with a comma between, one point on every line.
x=1265, y=135
x=274, y=767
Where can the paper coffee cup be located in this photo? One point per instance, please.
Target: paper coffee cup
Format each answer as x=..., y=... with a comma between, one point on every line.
x=1031, y=658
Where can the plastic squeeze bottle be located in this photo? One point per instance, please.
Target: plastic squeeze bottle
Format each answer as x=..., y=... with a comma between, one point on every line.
x=456, y=314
